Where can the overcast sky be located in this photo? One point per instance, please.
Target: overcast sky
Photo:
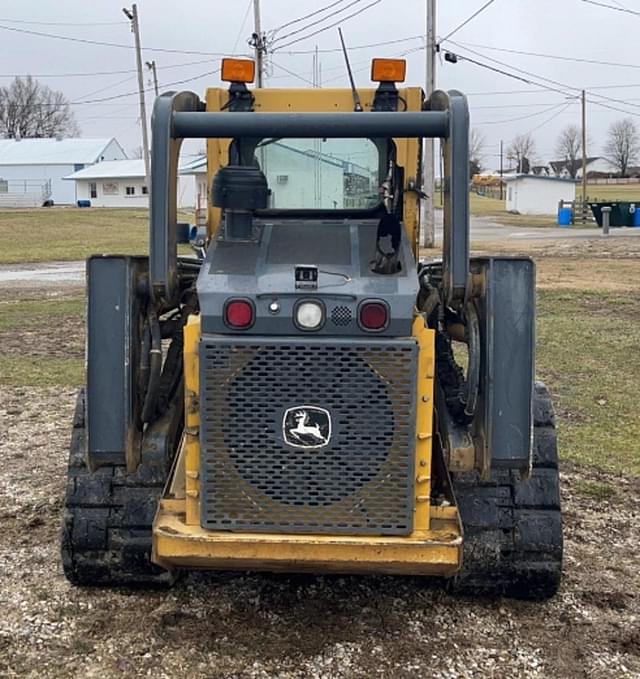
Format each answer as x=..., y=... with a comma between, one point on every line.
x=566, y=28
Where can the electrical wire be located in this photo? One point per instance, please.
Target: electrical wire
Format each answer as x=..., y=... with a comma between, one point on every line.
x=530, y=115
x=91, y=74
x=244, y=21
x=543, y=55
x=307, y=16
x=65, y=23
x=617, y=9
x=466, y=21
x=317, y=21
x=354, y=47
x=292, y=73
x=549, y=80
x=326, y=28
x=102, y=43
x=132, y=93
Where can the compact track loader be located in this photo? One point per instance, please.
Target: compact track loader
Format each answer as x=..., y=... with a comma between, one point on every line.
x=305, y=394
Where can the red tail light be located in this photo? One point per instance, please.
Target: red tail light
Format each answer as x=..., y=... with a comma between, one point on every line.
x=238, y=313
x=374, y=315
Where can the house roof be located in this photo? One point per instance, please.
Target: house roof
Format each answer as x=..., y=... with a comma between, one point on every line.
x=538, y=178
x=122, y=169
x=195, y=166
x=558, y=165
x=111, y=169
x=52, y=151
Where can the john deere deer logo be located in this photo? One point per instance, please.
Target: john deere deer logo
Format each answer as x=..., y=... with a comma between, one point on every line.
x=306, y=427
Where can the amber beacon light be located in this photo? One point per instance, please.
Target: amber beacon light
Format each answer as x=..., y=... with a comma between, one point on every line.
x=388, y=70
x=238, y=70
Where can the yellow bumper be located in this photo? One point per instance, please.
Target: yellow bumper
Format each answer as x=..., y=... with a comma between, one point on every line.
x=437, y=551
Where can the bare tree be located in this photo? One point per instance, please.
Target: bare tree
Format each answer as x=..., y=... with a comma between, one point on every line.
x=29, y=109
x=522, y=151
x=137, y=152
x=476, y=150
x=623, y=144
x=569, y=148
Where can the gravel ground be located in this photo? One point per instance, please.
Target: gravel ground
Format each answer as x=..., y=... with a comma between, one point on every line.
x=240, y=625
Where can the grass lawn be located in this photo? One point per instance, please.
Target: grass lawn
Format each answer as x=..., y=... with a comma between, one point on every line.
x=627, y=192
x=61, y=233
x=588, y=343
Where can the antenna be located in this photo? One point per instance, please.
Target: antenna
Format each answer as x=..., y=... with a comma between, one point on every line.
x=356, y=96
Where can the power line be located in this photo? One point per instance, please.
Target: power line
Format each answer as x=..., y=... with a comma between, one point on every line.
x=64, y=23
x=326, y=28
x=307, y=16
x=317, y=21
x=530, y=115
x=103, y=43
x=617, y=9
x=130, y=94
x=543, y=55
x=355, y=47
x=295, y=75
x=540, y=77
x=244, y=21
x=467, y=20
x=548, y=120
x=87, y=74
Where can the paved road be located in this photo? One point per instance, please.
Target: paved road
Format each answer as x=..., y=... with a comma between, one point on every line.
x=483, y=229
x=49, y=273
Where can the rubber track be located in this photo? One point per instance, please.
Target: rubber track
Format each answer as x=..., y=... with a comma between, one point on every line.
x=513, y=527
x=108, y=514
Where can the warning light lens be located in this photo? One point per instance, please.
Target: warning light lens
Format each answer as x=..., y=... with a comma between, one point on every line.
x=238, y=70
x=388, y=70
x=238, y=313
x=374, y=316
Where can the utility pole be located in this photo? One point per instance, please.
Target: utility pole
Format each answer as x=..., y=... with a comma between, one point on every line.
x=258, y=43
x=428, y=184
x=132, y=15
x=584, y=153
x=151, y=65
x=501, y=170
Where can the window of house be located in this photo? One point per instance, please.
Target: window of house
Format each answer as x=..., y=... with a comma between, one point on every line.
x=93, y=190
x=130, y=190
x=145, y=191
x=78, y=166
x=110, y=188
x=4, y=186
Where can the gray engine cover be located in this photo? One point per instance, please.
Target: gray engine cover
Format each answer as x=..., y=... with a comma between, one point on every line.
x=262, y=270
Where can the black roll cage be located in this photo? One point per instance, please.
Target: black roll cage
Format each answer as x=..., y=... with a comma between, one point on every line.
x=182, y=115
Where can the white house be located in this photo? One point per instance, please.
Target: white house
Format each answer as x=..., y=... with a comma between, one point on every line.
x=197, y=168
x=596, y=165
x=529, y=194
x=32, y=170
x=121, y=183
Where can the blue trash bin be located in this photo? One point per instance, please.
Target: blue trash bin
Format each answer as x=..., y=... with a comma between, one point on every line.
x=565, y=216
x=636, y=216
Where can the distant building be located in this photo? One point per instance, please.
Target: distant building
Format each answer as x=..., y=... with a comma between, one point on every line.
x=529, y=194
x=121, y=183
x=32, y=171
x=197, y=168
x=596, y=166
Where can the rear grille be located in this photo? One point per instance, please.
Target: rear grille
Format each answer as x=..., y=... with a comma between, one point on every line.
x=341, y=315
x=268, y=406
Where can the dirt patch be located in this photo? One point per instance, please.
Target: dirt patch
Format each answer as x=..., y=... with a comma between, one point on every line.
x=252, y=625
x=61, y=338
x=599, y=247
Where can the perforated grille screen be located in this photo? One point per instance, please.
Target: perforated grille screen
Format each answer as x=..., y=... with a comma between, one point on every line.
x=308, y=436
